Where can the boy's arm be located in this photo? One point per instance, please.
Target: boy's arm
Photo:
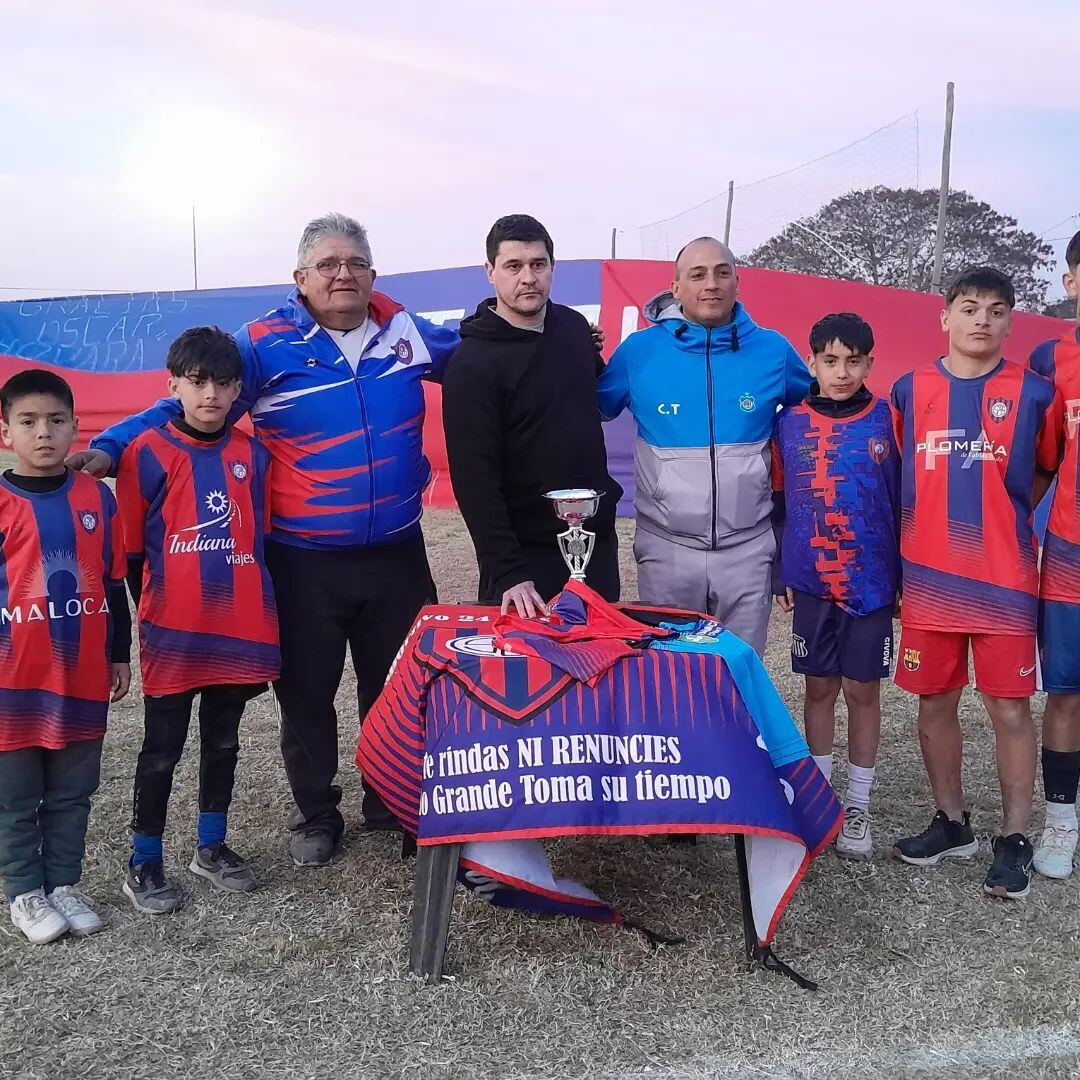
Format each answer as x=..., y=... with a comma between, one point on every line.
x=796, y=378
x=1049, y=448
x=779, y=518
x=120, y=645
x=108, y=448
x=613, y=386
x=134, y=502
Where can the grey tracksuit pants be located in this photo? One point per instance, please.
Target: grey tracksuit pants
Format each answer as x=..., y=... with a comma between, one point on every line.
x=732, y=584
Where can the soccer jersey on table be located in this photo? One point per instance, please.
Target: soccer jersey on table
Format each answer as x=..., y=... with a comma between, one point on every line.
x=841, y=482
x=59, y=552
x=970, y=449
x=197, y=513
x=1059, y=361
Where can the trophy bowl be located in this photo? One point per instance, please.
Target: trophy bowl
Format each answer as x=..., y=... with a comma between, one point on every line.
x=575, y=505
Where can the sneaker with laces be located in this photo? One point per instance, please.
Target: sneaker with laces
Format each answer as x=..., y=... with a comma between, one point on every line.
x=854, y=840
x=148, y=889
x=313, y=847
x=38, y=920
x=221, y=866
x=942, y=839
x=1054, y=855
x=1010, y=874
x=81, y=917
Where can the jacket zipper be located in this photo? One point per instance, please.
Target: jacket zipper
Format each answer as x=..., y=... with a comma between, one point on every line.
x=712, y=431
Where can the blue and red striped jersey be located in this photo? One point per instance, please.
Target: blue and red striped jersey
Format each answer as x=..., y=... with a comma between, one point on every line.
x=59, y=553
x=841, y=482
x=970, y=448
x=197, y=513
x=1059, y=361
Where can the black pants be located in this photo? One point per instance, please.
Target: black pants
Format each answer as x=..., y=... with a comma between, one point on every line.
x=167, y=720
x=365, y=599
x=549, y=573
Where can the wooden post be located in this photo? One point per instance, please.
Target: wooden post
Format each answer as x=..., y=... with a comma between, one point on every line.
x=943, y=194
x=433, y=900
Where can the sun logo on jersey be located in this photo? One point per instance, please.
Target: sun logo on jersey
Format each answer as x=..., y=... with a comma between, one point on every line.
x=216, y=502
x=912, y=659
x=998, y=408
x=88, y=520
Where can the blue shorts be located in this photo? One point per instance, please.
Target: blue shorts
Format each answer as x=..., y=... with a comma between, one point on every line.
x=827, y=640
x=1059, y=646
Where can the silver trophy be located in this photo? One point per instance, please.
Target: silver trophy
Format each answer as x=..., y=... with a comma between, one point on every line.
x=575, y=506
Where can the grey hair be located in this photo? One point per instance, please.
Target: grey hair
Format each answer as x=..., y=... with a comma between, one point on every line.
x=332, y=224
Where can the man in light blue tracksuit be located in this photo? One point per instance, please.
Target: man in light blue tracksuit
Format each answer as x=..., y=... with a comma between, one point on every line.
x=704, y=383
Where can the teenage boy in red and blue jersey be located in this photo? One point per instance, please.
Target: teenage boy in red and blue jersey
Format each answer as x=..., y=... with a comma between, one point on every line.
x=63, y=621
x=1059, y=603
x=193, y=497
x=836, y=475
x=981, y=439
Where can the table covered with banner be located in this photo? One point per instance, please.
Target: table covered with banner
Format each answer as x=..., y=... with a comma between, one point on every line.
x=494, y=732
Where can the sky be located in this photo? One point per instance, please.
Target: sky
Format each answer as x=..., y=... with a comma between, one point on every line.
x=428, y=120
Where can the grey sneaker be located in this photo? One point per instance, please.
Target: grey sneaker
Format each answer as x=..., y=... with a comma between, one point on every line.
x=855, y=841
x=221, y=866
x=148, y=890
x=313, y=847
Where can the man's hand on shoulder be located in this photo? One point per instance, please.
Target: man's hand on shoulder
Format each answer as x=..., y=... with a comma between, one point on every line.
x=597, y=336
x=526, y=601
x=95, y=462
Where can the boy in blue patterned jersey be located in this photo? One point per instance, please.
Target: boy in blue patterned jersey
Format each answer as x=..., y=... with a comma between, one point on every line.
x=836, y=477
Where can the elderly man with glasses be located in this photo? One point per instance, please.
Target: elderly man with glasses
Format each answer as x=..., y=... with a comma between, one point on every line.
x=332, y=382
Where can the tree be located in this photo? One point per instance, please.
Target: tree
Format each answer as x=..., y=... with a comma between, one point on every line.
x=1065, y=308
x=885, y=236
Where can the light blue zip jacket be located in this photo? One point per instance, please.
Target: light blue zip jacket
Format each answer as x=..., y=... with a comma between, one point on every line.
x=705, y=400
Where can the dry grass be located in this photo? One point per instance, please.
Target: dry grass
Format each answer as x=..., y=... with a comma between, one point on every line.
x=920, y=975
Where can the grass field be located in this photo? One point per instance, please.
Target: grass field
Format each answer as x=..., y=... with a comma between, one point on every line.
x=921, y=976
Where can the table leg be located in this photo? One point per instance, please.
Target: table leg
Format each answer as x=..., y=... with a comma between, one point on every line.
x=433, y=899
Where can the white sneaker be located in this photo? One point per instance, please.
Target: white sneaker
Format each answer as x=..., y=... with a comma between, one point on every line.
x=80, y=914
x=1054, y=855
x=854, y=841
x=37, y=918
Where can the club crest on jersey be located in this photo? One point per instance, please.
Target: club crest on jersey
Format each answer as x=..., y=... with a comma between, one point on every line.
x=879, y=449
x=912, y=659
x=999, y=408
x=403, y=350
x=239, y=469
x=747, y=403
x=88, y=520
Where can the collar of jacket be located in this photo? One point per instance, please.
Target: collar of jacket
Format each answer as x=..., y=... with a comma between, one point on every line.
x=664, y=310
x=381, y=310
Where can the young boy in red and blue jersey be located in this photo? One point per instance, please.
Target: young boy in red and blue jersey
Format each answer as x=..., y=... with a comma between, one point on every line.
x=981, y=439
x=1059, y=603
x=193, y=499
x=65, y=639
x=836, y=476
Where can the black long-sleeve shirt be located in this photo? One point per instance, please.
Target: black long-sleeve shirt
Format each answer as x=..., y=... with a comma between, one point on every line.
x=521, y=418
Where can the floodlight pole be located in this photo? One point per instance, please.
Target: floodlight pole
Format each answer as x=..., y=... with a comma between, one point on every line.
x=194, y=248
x=613, y=243
x=727, y=219
x=943, y=193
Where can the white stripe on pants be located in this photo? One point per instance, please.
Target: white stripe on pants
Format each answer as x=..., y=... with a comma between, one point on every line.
x=732, y=584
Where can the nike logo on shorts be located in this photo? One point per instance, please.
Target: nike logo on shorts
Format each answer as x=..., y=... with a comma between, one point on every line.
x=1026, y=671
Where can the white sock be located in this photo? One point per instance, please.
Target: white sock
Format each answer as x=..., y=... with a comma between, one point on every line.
x=859, y=782
x=1061, y=814
x=824, y=763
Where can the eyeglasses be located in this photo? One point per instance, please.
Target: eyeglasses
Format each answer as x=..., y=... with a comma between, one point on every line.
x=330, y=268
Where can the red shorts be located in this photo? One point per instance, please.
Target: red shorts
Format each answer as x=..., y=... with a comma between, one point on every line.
x=936, y=661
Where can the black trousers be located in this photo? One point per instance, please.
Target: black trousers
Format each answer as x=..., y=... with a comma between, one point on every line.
x=365, y=600
x=549, y=573
x=167, y=720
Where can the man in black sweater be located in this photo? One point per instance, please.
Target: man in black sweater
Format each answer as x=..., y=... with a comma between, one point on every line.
x=521, y=418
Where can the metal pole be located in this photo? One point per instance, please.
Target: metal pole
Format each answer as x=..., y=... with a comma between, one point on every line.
x=943, y=194
x=727, y=219
x=613, y=243
x=194, y=248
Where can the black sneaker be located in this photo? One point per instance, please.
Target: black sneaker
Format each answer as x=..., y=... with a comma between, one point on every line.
x=942, y=839
x=313, y=847
x=1010, y=876
x=221, y=866
x=148, y=889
